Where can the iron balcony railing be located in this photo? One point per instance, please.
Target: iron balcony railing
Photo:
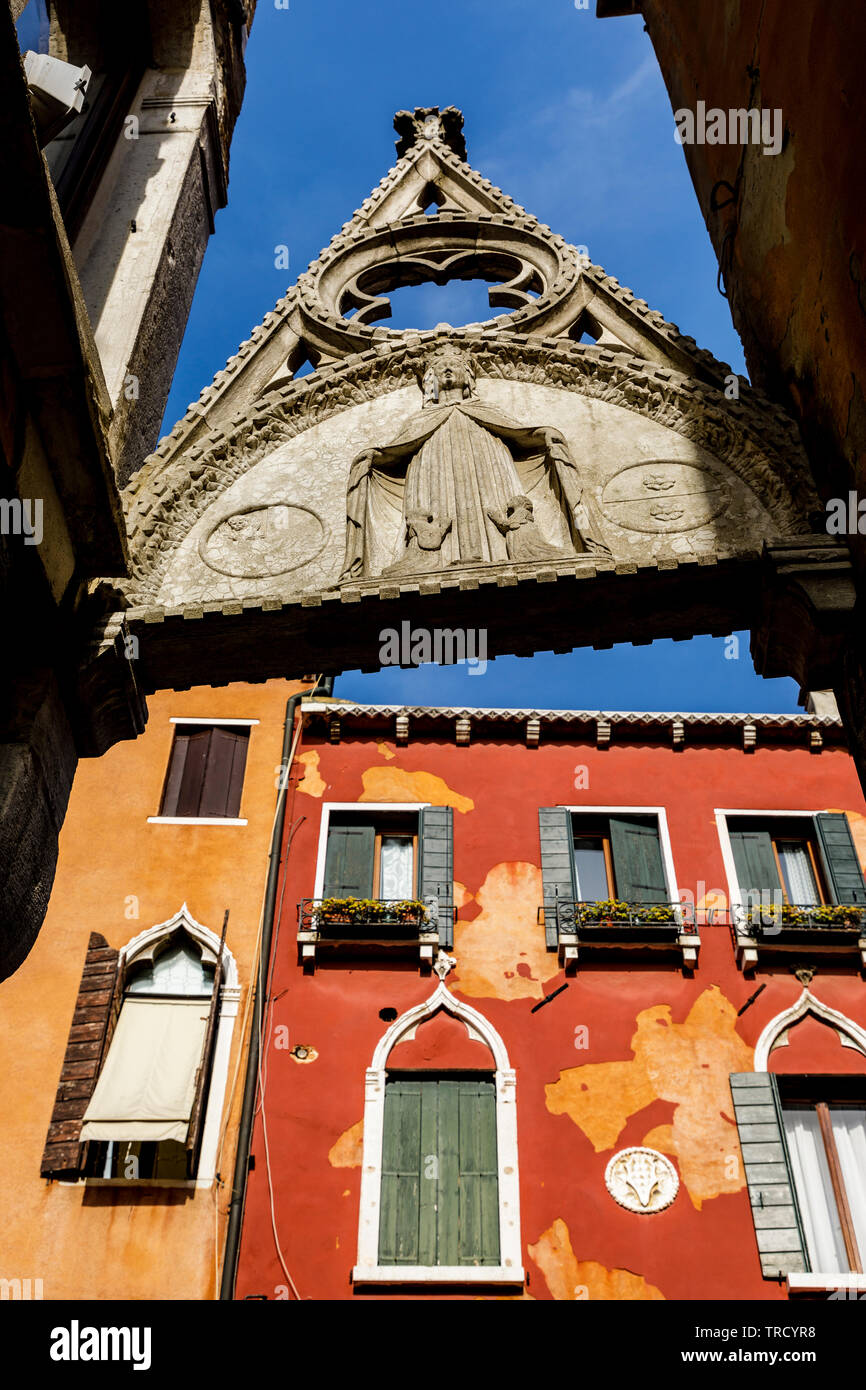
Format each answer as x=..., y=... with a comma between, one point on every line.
x=769, y=919
x=346, y=918
x=647, y=921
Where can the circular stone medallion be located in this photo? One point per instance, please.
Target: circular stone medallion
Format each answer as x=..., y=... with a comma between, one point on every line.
x=662, y=496
x=641, y=1180
x=260, y=542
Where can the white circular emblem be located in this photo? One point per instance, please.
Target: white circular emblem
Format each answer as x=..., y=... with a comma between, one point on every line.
x=641, y=1180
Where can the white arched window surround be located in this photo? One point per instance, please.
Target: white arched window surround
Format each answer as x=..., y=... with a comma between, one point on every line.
x=510, y=1269
x=850, y=1035
x=140, y=950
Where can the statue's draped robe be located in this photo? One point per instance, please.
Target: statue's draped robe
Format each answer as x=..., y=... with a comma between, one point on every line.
x=457, y=466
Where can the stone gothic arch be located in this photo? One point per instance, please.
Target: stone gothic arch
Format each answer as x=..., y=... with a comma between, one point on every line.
x=368, y=1269
x=850, y=1033
x=627, y=487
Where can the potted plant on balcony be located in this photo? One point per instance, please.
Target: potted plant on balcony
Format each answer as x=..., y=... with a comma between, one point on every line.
x=837, y=915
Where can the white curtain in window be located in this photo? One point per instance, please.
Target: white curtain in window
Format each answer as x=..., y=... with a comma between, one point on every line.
x=146, y=1088
x=797, y=872
x=849, y=1131
x=815, y=1197
x=397, y=867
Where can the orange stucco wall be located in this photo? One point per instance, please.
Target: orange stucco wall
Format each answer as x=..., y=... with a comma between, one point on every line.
x=119, y=875
x=627, y=1054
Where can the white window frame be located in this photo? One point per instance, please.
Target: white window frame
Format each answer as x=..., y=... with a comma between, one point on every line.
x=361, y=807
x=664, y=835
x=229, y=1002
x=215, y=722
x=775, y=1035
x=689, y=942
x=510, y=1269
x=747, y=946
x=735, y=896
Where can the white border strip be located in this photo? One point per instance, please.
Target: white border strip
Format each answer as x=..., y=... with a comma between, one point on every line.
x=208, y=719
x=195, y=820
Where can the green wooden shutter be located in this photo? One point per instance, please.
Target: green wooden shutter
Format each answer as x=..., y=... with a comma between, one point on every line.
x=478, y=1180
x=841, y=864
x=440, y=1186
x=436, y=869
x=637, y=860
x=557, y=864
x=402, y=1169
x=349, y=860
x=770, y=1183
x=755, y=864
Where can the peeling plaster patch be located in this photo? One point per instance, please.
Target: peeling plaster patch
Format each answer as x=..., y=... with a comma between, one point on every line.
x=384, y=751
x=600, y=1097
x=348, y=1150
x=569, y=1278
x=302, y=1054
x=661, y=1138
x=501, y=953
x=462, y=896
x=396, y=784
x=687, y=1064
x=312, y=783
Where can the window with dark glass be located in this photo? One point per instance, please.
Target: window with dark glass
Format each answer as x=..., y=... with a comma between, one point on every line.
x=206, y=771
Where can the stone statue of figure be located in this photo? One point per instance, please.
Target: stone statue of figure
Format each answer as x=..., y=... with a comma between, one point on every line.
x=522, y=539
x=453, y=471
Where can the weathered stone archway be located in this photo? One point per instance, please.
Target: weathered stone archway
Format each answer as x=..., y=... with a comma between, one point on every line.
x=502, y=475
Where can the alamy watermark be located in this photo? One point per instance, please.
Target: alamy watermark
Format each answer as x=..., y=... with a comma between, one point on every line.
x=418, y=646
x=737, y=126
x=22, y=517
x=847, y=516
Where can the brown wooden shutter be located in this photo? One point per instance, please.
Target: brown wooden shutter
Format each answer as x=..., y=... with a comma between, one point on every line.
x=192, y=746
x=92, y=1024
x=202, y=1080
x=224, y=772
x=205, y=772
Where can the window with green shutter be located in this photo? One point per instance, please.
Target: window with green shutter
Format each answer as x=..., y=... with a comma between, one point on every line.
x=806, y=861
x=637, y=859
x=349, y=859
x=440, y=1190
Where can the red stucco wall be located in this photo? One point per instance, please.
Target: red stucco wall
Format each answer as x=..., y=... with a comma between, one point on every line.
x=668, y=1068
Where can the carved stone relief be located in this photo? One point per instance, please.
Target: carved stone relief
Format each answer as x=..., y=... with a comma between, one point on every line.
x=664, y=495
x=259, y=542
x=444, y=476
x=453, y=471
x=641, y=1180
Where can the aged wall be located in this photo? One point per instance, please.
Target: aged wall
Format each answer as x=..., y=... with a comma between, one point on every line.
x=651, y=1068
x=793, y=236
x=118, y=875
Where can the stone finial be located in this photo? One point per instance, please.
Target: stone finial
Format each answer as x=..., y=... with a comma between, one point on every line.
x=444, y=964
x=429, y=123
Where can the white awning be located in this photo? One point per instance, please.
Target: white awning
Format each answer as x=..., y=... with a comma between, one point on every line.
x=146, y=1088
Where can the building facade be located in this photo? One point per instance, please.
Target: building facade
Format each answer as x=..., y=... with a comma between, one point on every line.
x=559, y=1003
x=120, y=1111
x=117, y=130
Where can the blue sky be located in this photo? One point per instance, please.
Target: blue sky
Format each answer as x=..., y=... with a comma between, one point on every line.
x=569, y=115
